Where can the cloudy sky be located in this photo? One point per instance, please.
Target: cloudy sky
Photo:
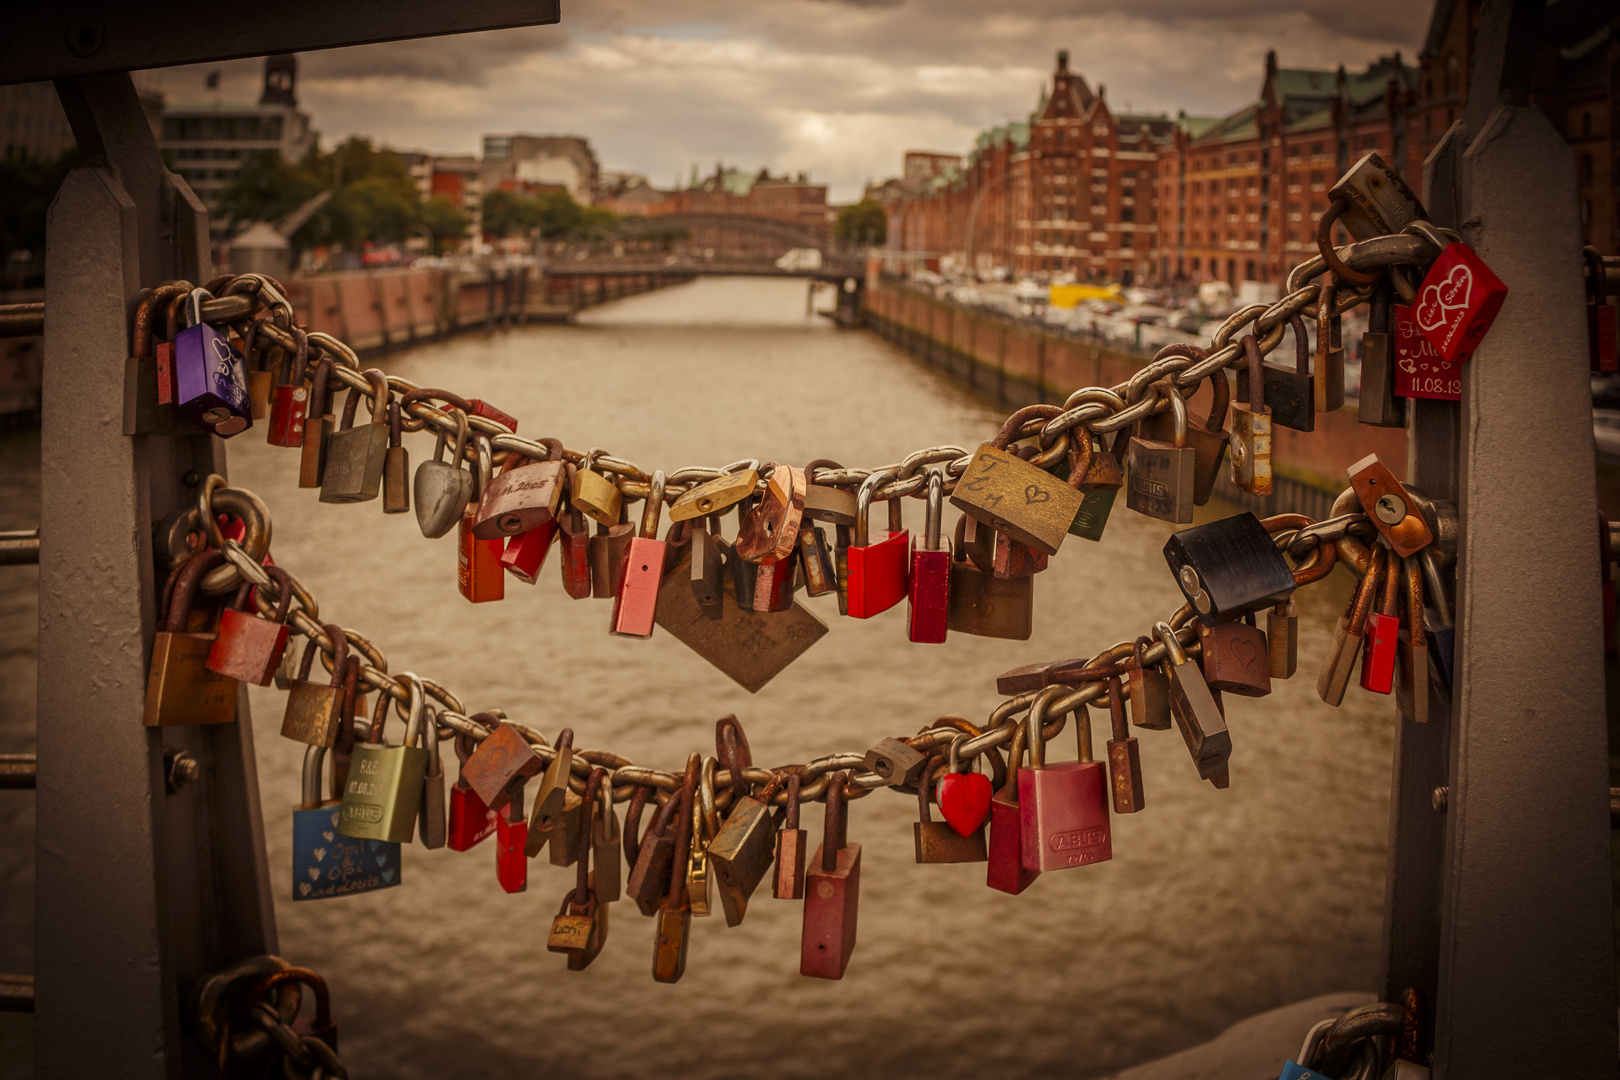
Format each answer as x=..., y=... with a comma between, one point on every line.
x=838, y=88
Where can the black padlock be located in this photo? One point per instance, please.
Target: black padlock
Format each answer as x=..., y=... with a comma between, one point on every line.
x=1291, y=395
x=1229, y=567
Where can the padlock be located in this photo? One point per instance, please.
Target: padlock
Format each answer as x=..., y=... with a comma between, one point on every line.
x=443, y=488
x=648, y=883
x=180, y=688
x=714, y=496
x=1290, y=396
x=1104, y=476
x=1228, y=567
x=606, y=869
x=396, y=482
x=551, y=795
x=1208, y=440
x=1012, y=496
x=1195, y=709
x=479, y=574
x=816, y=561
x=574, y=553
x=939, y=841
x=1124, y=757
x=471, y=821
x=1379, y=405
x=1149, y=691
x=1392, y=510
x=788, y=881
x=579, y=929
x=1063, y=808
x=824, y=502
x=210, y=380
x=635, y=606
x=983, y=604
x=480, y=407
x=525, y=554
x=831, y=894
x=384, y=787
x=774, y=583
x=742, y=851
x=770, y=529
x=1457, y=303
x=317, y=427
x=256, y=357
x=313, y=711
x=1600, y=316
x=1420, y=371
x=1250, y=437
x=143, y=412
x=1348, y=636
x=249, y=648
x=740, y=574
x=512, y=842
x=524, y=496
x=895, y=763
x=354, y=455
x=704, y=570
x=705, y=823
x=593, y=494
x=1430, y=628
x=173, y=320
x=1282, y=639
x=606, y=552
x=1161, y=476
x=432, y=829
x=1236, y=657
x=1377, y=201
x=558, y=832
x=503, y=756
x=877, y=566
x=1382, y=636
x=1329, y=374
x=930, y=592
x=1004, y=853
x=324, y=862
x=1013, y=559
x=343, y=745
x=289, y=395
x=674, y=913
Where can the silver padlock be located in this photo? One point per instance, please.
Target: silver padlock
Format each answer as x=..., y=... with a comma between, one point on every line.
x=1161, y=475
x=354, y=455
x=443, y=488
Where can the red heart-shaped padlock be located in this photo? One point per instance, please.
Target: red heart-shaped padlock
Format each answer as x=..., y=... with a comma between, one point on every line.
x=964, y=800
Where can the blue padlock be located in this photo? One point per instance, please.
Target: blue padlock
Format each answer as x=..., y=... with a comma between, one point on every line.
x=325, y=862
x=209, y=374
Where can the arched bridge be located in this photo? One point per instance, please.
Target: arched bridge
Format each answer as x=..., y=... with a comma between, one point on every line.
x=699, y=243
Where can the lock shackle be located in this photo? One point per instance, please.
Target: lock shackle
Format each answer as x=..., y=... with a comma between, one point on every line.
x=582, y=873
x=414, y=724
x=1036, y=737
x=460, y=450
x=832, y=835
x=731, y=746
x=284, y=592
x=705, y=810
x=194, y=300
x=822, y=463
x=1302, y=347
x=1082, y=732
x=1412, y=571
x=340, y=653
x=185, y=584
x=863, y=504
x=172, y=317
x=1257, y=374
x=554, y=448
x=953, y=758
x=1361, y=607
x=311, y=790
x=141, y=334
x=1116, y=711
x=1378, y=308
x=936, y=510
x=430, y=395
x=1019, y=418
x=1172, y=646
x=396, y=427
x=683, y=831
x=654, y=507
x=486, y=467
x=1143, y=644
x=1327, y=319
x=1324, y=244
x=320, y=394
x=1178, y=410
x=1015, y=759
x=925, y=787
x=379, y=395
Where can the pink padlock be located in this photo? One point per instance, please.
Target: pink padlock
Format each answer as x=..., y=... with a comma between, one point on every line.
x=1457, y=302
x=1063, y=809
x=1420, y=371
x=636, y=602
x=930, y=572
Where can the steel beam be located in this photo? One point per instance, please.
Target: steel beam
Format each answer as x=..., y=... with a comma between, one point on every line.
x=42, y=41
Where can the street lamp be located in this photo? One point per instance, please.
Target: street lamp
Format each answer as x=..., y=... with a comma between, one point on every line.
x=973, y=213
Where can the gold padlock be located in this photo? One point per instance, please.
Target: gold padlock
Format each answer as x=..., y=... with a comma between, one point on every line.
x=1014, y=497
x=594, y=495
x=1251, y=429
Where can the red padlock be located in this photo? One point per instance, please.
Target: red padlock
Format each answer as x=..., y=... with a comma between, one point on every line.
x=480, y=407
x=877, y=571
x=1420, y=372
x=289, y=397
x=1600, y=328
x=478, y=565
x=1063, y=808
x=832, y=892
x=526, y=552
x=511, y=838
x=1007, y=872
x=1383, y=637
x=1457, y=302
x=471, y=821
x=636, y=602
x=248, y=647
x=930, y=572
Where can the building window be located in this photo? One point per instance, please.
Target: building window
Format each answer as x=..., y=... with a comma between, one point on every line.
x=1316, y=149
x=1124, y=242
x=1250, y=271
x=1586, y=124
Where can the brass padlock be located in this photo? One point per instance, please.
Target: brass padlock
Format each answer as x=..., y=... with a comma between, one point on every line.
x=1208, y=440
x=1202, y=724
x=715, y=496
x=1250, y=440
x=313, y=710
x=1012, y=496
x=1149, y=691
x=594, y=495
x=383, y=789
x=396, y=465
x=823, y=502
x=1290, y=395
x=982, y=604
x=180, y=689
x=317, y=427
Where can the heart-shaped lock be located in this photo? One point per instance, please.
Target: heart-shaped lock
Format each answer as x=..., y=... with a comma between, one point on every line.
x=963, y=800
x=443, y=488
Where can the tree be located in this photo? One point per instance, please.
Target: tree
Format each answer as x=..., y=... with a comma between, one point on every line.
x=267, y=189
x=551, y=213
x=863, y=223
x=444, y=219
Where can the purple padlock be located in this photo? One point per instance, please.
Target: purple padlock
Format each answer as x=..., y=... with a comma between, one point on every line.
x=210, y=377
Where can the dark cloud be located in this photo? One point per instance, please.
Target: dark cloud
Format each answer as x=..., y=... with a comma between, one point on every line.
x=461, y=59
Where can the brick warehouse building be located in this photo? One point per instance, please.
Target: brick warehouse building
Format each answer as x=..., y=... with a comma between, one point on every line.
x=1080, y=190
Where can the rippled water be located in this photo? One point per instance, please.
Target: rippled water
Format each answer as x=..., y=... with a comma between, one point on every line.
x=1215, y=906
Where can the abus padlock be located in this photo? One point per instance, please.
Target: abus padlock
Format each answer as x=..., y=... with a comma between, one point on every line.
x=317, y=427
x=1202, y=724
x=180, y=689
x=503, y=756
x=832, y=892
x=210, y=379
x=1006, y=871
x=593, y=494
x=289, y=395
x=824, y=502
x=248, y=647
x=1289, y=395
x=1250, y=438
x=326, y=863
x=635, y=606
x=523, y=496
x=1063, y=808
x=1236, y=657
x=479, y=573
x=443, y=488
x=1012, y=496
x=1228, y=567
x=384, y=787
x=1457, y=303
x=983, y=604
x=1124, y=757
x=930, y=594
x=354, y=455
x=877, y=566
x=313, y=710
x=471, y=822
x=1161, y=476
x=769, y=531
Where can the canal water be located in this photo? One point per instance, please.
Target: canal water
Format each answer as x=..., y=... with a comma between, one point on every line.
x=1216, y=905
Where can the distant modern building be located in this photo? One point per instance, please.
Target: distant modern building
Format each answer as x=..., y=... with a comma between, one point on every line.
x=461, y=180
x=208, y=144
x=532, y=162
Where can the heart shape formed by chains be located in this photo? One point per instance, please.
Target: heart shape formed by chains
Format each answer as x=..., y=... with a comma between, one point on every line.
x=964, y=801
